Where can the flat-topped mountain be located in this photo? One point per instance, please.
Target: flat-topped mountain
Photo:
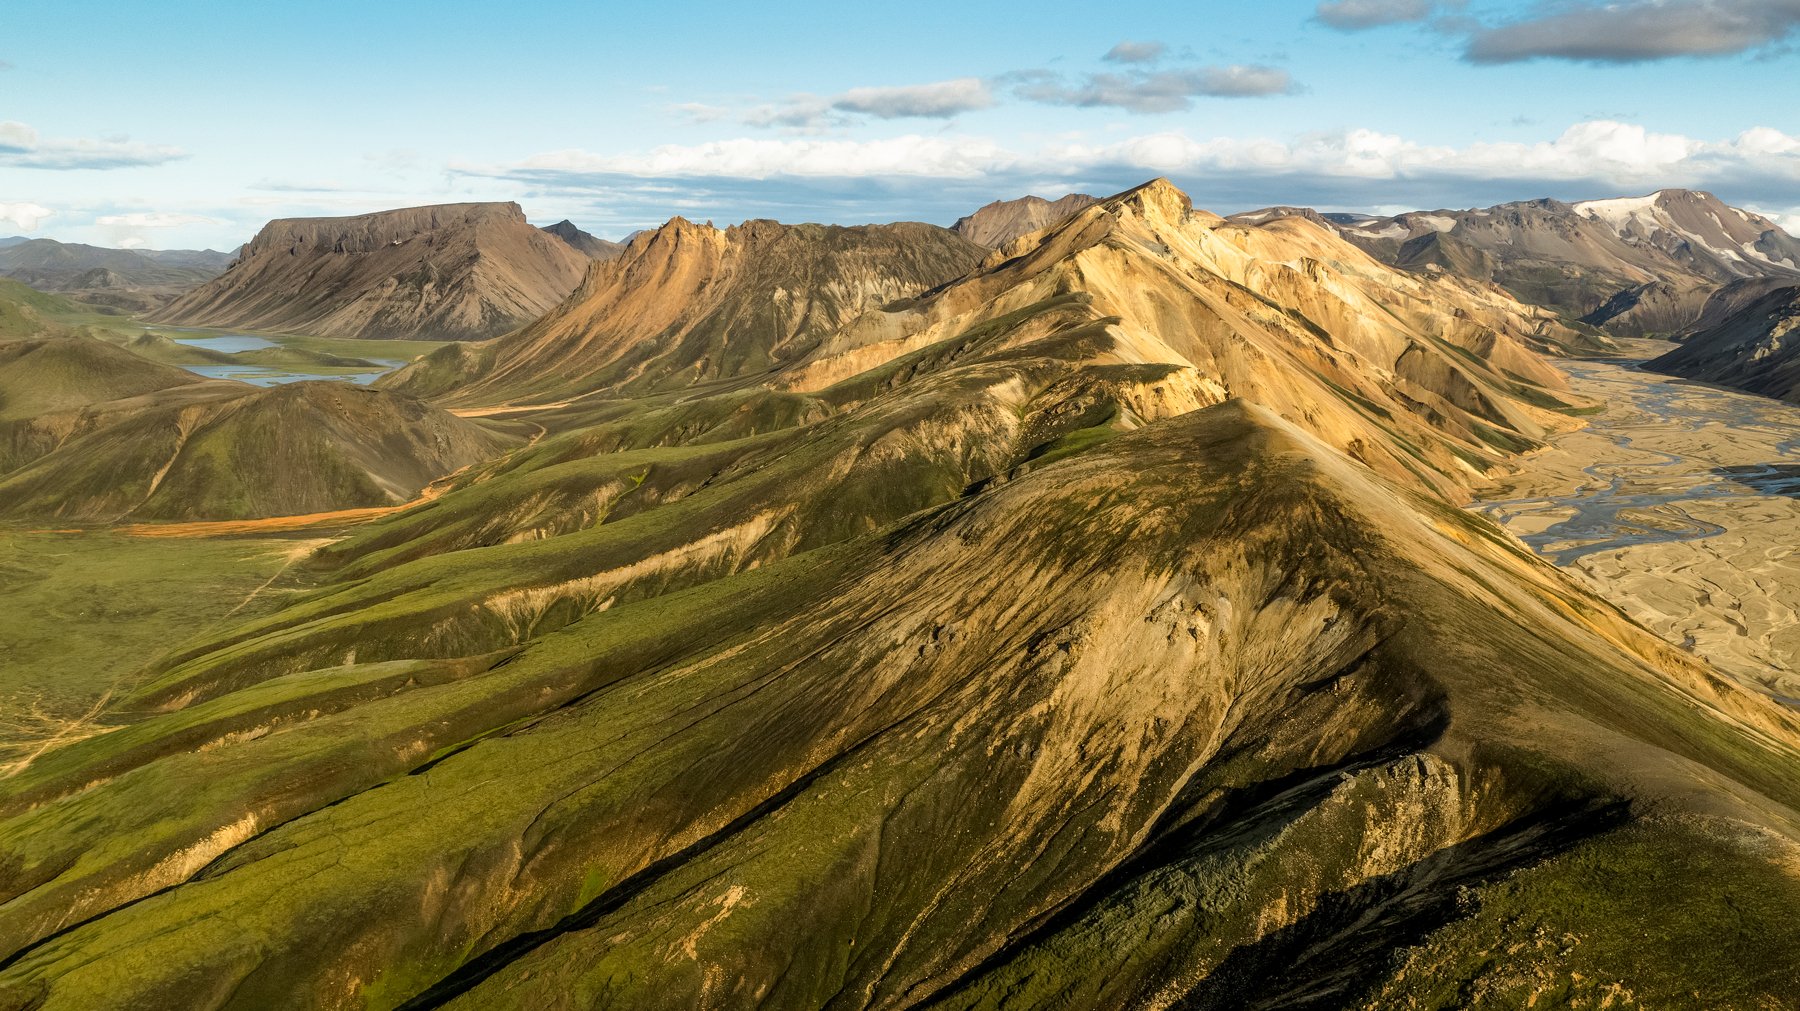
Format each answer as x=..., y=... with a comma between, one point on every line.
x=1002, y=221
x=449, y=272
x=1634, y=265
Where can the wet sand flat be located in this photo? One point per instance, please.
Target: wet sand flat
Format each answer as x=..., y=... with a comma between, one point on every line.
x=1680, y=503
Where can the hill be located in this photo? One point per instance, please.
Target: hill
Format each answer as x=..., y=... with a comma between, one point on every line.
x=452, y=271
x=27, y=312
x=93, y=432
x=1002, y=221
x=132, y=279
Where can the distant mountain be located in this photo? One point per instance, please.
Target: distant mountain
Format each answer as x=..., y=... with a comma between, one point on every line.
x=133, y=279
x=1005, y=220
x=1635, y=265
x=448, y=272
x=589, y=245
x=1748, y=337
x=690, y=303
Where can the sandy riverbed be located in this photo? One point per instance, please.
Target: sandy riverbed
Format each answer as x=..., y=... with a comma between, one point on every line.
x=1681, y=503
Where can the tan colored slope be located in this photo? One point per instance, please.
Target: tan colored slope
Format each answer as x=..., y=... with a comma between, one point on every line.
x=1393, y=368
x=445, y=272
x=689, y=303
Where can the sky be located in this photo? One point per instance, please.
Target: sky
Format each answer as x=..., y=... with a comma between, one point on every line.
x=188, y=124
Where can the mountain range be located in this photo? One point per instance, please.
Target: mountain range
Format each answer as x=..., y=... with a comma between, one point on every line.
x=134, y=280
x=1634, y=265
x=857, y=617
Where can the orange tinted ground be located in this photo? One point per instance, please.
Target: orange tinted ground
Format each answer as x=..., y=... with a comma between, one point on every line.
x=270, y=524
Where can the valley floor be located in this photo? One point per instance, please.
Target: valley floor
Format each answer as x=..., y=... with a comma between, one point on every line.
x=1680, y=503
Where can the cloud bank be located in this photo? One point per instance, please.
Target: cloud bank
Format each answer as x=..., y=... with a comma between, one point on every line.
x=21, y=147
x=939, y=177
x=1638, y=30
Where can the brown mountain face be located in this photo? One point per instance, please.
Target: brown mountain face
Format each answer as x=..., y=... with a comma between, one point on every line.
x=446, y=272
x=690, y=303
x=1749, y=337
x=1003, y=221
x=1634, y=265
x=591, y=246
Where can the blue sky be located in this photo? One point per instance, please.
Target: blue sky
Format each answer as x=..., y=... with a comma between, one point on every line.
x=191, y=123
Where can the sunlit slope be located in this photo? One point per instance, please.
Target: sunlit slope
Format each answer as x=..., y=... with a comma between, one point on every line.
x=1191, y=703
x=690, y=303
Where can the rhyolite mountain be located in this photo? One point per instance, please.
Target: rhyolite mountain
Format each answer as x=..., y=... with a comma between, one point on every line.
x=584, y=242
x=1633, y=265
x=1748, y=337
x=1095, y=627
x=1002, y=221
x=444, y=272
x=688, y=303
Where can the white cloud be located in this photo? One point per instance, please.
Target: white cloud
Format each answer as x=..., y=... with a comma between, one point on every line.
x=24, y=216
x=939, y=100
x=761, y=158
x=154, y=219
x=1597, y=149
x=1136, y=52
x=21, y=147
x=1342, y=169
